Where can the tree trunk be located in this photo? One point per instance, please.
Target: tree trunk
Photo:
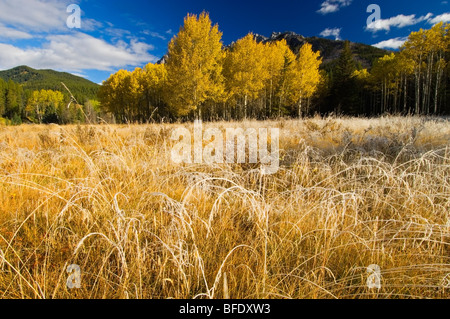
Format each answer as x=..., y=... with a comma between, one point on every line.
x=438, y=84
x=245, y=106
x=417, y=107
x=300, y=109
x=405, y=93
x=271, y=94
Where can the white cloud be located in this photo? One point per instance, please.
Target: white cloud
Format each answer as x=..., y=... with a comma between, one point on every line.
x=116, y=32
x=391, y=43
x=11, y=34
x=154, y=34
x=335, y=32
x=61, y=48
x=399, y=21
x=36, y=15
x=79, y=75
x=330, y=6
x=39, y=16
x=90, y=24
x=445, y=17
x=77, y=52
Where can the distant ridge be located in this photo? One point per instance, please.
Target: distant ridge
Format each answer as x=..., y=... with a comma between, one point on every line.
x=33, y=79
x=330, y=50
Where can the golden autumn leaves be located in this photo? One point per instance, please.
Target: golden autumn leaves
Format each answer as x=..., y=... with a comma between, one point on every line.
x=201, y=75
x=412, y=80
x=194, y=65
x=41, y=101
x=132, y=96
x=252, y=69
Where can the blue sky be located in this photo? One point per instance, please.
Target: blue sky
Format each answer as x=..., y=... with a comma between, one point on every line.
x=128, y=34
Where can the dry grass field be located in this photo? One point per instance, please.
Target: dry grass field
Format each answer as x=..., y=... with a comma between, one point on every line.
x=349, y=193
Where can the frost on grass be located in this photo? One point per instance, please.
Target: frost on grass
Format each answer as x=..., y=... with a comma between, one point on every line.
x=349, y=193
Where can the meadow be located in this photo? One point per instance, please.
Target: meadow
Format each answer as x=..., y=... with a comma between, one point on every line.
x=350, y=193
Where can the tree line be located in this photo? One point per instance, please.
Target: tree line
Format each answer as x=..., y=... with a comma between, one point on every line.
x=202, y=79
x=415, y=80
x=19, y=105
x=11, y=102
x=249, y=79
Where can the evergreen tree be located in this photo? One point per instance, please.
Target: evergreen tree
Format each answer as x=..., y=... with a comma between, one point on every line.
x=2, y=97
x=13, y=100
x=344, y=93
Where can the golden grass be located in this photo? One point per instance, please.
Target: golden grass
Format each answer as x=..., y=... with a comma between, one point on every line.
x=349, y=193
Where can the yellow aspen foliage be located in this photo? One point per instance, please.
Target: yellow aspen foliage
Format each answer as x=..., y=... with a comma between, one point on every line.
x=115, y=94
x=284, y=85
x=279, y=57
x=361, y=74
x=194, y=65
x=245, y=70
x=305, y=76
x=154, y=76
x=151, y=80
x=42, y=102
x=385, y=69
x=426, y=49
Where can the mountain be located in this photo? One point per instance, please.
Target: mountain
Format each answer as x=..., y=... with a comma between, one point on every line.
x=32, y=79
x=330, y=50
